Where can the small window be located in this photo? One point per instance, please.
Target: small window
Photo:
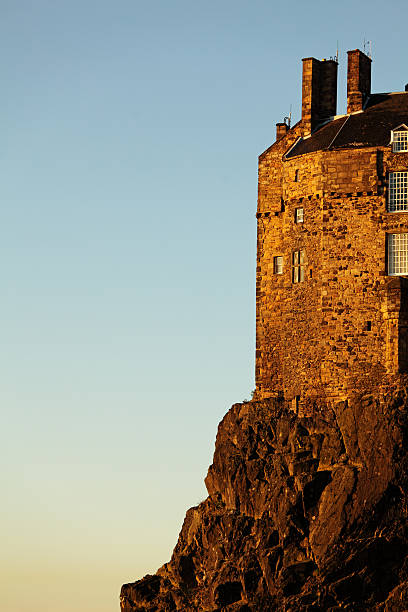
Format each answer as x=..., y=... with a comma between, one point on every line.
x=298, y=215
x=397, y=254
x=399, y=139
x=296, y=179
x=398, y=191
x=295, y=403
x=278, y=264
x=298, y=266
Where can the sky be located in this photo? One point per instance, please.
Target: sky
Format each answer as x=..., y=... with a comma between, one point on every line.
x=129, y=136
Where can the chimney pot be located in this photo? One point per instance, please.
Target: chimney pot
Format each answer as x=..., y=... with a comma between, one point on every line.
x=406, y=87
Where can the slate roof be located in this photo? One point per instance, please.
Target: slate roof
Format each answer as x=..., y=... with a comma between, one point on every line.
x=370, y=128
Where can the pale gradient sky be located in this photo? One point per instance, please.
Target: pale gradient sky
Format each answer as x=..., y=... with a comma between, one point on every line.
x=129, y=139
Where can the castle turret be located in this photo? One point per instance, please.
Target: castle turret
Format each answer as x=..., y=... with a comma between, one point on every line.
x=332, y=237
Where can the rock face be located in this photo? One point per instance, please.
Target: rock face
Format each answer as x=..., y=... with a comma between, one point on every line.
x=304, y=513
x=308, y=492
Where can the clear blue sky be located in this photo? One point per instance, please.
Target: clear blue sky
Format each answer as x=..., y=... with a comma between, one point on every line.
x=129, y=135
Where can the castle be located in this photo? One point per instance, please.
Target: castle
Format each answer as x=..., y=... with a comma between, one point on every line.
x=332, y=260
x=308, y=490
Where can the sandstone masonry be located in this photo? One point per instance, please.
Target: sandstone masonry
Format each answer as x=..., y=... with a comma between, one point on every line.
x=332, y=313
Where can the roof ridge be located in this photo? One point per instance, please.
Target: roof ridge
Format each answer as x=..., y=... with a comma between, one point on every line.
x=338, y=132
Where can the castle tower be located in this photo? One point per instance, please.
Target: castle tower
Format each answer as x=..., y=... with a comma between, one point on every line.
x=332, y=262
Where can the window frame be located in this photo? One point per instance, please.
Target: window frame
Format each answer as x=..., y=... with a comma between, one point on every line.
x=278, y=264
x=298, y=266
x=397, y=191
x=397, y=257
x=398, y=142
x=299, y=214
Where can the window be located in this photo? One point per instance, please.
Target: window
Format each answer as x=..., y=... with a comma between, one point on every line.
x=397, y=254
x=295, y=403
x=399, y=139
x=296, y=179
x=298, y=266
x=298, y=215
x=398, y=191
x=278, y=264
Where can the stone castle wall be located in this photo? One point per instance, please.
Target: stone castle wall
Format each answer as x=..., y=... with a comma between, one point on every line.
x=345, y=323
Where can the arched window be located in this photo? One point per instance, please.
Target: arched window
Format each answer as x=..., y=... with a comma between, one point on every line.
x=399, y=138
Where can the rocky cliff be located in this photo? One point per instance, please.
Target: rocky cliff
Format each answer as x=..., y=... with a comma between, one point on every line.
x=303, y=513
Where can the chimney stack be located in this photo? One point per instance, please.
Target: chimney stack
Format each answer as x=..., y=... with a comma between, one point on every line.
x=319, y=92
x=281, y=130
x=358, y=80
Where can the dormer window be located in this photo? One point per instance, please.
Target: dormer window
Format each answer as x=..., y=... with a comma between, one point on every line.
x=399, y=139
